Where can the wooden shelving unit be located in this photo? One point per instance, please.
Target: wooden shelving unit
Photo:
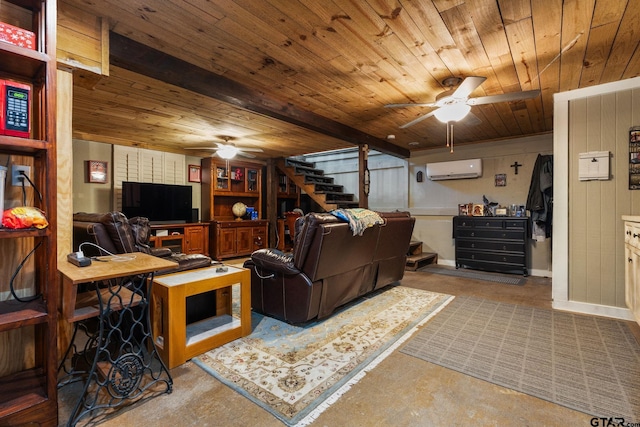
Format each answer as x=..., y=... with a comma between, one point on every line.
x=28, y=386
x=225, y=183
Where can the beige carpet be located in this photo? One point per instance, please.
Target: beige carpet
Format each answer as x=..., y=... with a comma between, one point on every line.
x=295, y=372
x=585, y=363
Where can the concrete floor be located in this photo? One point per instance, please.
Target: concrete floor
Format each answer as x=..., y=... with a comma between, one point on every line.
x=401, y=391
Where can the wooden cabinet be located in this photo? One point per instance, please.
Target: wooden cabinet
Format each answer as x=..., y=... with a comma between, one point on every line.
x=237, y=238
x=223, y=185
x=192, y=238
x=226, y=183
x=492, y=243
x=632, y=259
x=196, y=239
x=28, y=316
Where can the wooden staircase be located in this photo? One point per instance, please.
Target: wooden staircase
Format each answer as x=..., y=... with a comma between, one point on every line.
x=319, y=187
x=417, y=259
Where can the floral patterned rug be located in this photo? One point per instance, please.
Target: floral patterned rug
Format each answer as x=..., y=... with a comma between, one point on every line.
x=297, y=371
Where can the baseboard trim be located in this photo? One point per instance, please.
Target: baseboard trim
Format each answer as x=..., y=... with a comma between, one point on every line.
x=594, y=309
x=537, y=273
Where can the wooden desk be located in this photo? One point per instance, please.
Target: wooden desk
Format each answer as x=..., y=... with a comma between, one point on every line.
x=178, y=341
x=117, y=360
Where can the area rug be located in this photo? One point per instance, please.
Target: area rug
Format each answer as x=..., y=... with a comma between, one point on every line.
x=587, y=363
x=296, y=372
x=477, y=275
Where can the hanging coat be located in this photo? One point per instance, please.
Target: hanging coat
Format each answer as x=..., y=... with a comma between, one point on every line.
x=540, y=198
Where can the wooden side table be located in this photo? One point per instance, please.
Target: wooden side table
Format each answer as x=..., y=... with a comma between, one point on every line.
x=178, y=341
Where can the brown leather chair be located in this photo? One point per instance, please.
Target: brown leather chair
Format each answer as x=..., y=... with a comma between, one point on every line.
x=114, y=233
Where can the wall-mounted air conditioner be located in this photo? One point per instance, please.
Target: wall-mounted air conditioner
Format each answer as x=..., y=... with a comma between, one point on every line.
x=458, y=169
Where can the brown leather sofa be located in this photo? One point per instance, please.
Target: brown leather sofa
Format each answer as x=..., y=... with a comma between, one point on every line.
x=328, y=266
x=116, y=234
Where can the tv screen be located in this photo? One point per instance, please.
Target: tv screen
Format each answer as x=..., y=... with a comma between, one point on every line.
x=161, y=203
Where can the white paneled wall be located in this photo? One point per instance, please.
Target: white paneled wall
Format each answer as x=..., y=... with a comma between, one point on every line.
x=142, y=165
x=388, y=176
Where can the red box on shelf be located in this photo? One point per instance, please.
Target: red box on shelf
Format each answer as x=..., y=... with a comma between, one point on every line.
x=17, y=36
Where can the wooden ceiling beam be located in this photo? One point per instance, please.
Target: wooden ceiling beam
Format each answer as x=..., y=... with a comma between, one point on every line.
x=139, y=58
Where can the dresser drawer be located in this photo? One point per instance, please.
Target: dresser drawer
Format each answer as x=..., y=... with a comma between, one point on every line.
x=515, y=259
x=479, y=233
x=491, y=245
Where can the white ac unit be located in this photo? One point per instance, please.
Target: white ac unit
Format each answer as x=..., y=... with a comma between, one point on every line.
x=458, y=169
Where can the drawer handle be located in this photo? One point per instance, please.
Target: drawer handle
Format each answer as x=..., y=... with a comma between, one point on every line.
x=630, y=260
x=504, y=258
x=473, y=234
x=504, y=248
x=473, y=245
x=635, y=235
x=504, y=234
x=487, y=224
x=628, y=232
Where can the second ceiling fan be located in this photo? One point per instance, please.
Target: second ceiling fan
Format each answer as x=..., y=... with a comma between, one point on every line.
x=229, y=150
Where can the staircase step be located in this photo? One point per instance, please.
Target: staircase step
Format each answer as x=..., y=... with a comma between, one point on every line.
x=417, y=261
x=303, y=170
x=415, y=247
x=322, y=187
x=294, y=162
x=317, y=179
x=334, y=197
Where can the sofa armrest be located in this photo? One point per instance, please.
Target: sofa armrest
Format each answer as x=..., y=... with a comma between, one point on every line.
x=275, y=261
x=161, y=252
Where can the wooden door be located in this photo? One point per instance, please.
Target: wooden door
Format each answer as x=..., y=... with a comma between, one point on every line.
x=245, y=241
x=194, y=240
x=226, y=242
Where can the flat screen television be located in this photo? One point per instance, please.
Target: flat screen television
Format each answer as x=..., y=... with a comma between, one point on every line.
x=161, y=203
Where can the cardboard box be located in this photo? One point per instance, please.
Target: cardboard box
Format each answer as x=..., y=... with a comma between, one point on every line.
x=17, y=36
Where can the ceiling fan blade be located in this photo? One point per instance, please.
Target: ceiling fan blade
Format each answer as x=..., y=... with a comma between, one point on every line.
x=505, y=97
x=428, y=104
x=255, y=150
x=467, y=86
x=418, y=120
x=247, y=155
x=201, y=148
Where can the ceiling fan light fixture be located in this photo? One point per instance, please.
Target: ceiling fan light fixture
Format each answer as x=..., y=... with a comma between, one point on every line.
x=227, y=152
x=452, y=112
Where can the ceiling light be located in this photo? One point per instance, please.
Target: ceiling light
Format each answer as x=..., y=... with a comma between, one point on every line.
x=452, y=112
x=227, y=151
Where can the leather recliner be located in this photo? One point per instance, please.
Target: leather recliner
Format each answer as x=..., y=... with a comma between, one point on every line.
x=328, y=266
x=116, y=234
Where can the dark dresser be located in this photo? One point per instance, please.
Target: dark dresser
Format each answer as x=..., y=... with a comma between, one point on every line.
x=492, y=243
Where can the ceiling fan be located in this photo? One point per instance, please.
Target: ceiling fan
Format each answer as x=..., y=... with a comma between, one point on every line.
x=229, y=150
x=454, y=105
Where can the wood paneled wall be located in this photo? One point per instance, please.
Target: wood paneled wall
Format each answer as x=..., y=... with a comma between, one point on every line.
x=596, y=250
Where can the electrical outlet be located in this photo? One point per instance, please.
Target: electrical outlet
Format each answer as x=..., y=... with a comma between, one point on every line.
x=17, y=178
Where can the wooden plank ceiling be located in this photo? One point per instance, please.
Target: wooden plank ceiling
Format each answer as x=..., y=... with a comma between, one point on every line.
x=315, y=75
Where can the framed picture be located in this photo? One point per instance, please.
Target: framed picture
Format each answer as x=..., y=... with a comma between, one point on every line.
x=194, y=173
x=478, y=209
x=463, y=210
x=97, y=171
x=501, y=180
